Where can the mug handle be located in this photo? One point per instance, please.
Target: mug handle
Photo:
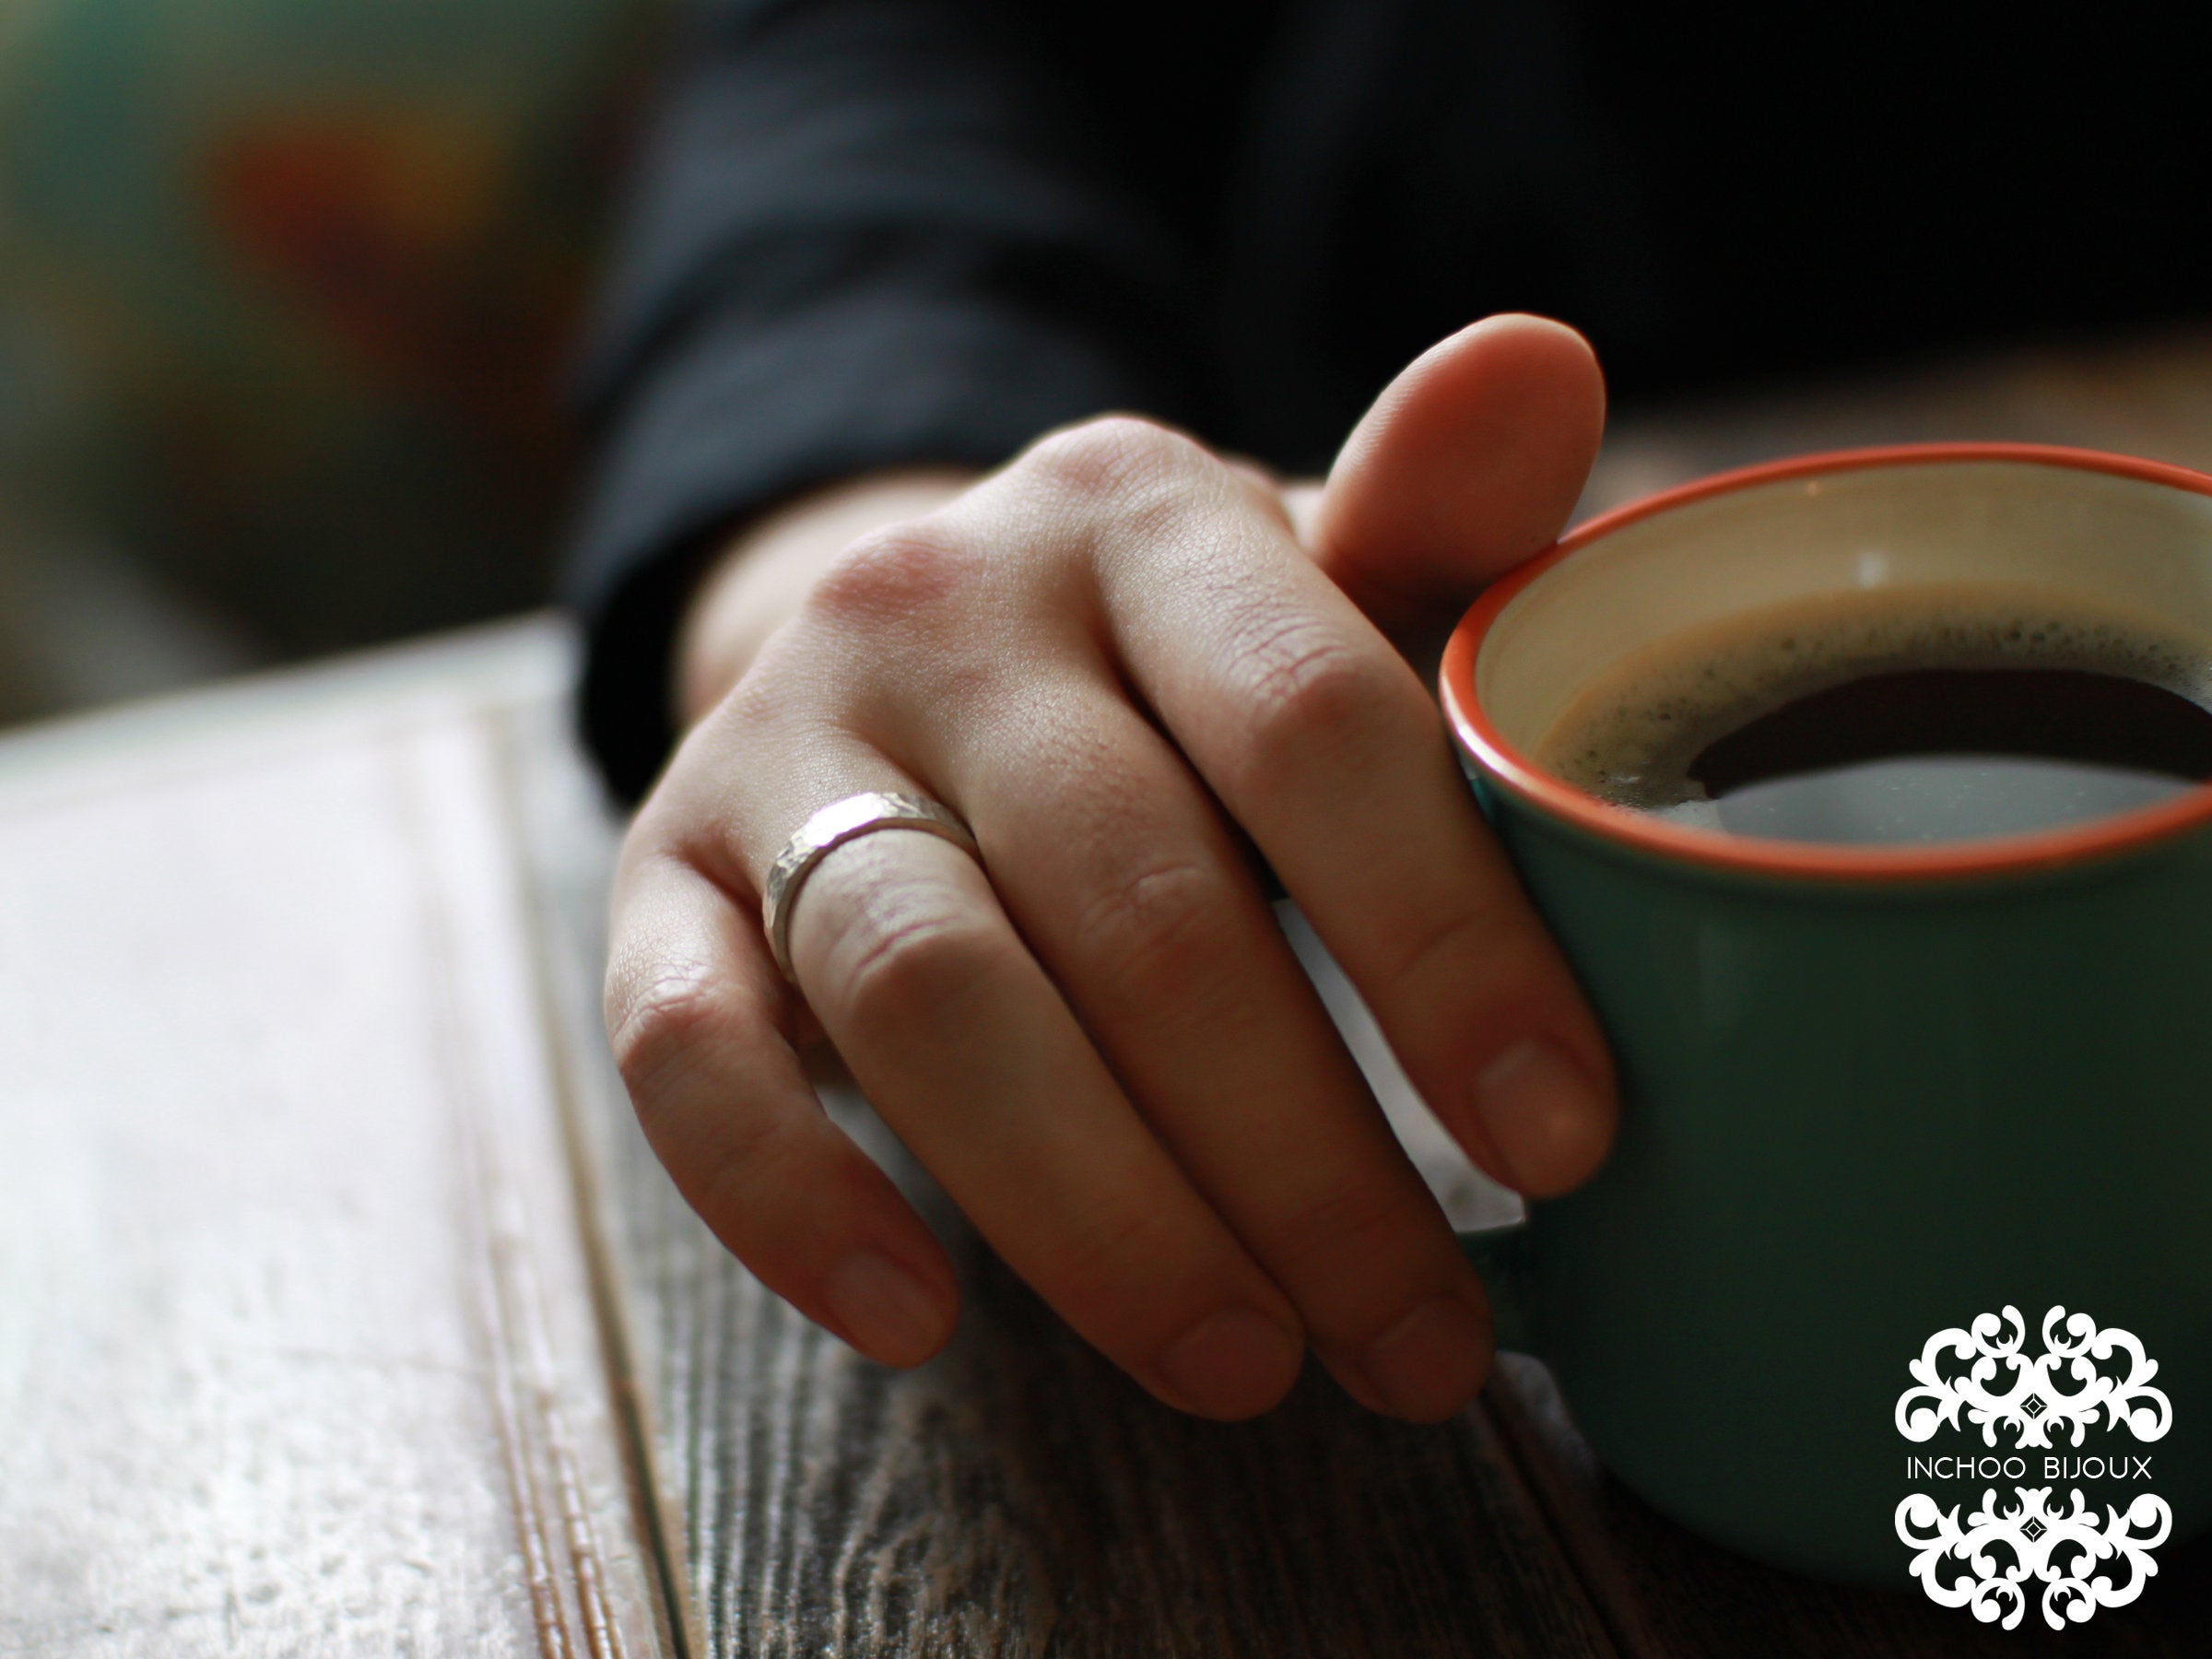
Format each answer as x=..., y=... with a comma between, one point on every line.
x=1502, y=1255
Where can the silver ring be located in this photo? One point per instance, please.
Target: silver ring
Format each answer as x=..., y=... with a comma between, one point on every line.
x=832, y=827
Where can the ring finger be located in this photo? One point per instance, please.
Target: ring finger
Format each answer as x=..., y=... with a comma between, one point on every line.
x=969, y=1052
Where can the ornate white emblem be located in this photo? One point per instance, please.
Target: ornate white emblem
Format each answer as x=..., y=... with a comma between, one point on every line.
x=2057, y=1550
x=2000, y=1554
x=2035, y=1403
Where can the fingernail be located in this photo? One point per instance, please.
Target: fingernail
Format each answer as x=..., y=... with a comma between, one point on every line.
x=1232, y=1364
x=1544, y=1114
x=890, y=1314
x=1429, y=1363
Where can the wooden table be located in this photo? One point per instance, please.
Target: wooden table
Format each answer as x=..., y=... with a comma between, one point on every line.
x=342, y=1309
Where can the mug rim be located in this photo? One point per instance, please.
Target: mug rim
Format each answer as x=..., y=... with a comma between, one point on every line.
x=1622, y=826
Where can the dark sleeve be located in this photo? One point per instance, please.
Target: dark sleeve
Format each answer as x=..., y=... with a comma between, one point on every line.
x=865, y=233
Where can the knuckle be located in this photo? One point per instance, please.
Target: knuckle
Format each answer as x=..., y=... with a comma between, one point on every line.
x=896, y=572
x=1309, y=688
x=1453, y=951
x=751, y=1152
x=1112, y=455
x=1345, y=1226
x=915, y=968
x=1159, y=929
x=1105, y=1247
x=656, y=1022
x=1496, y=978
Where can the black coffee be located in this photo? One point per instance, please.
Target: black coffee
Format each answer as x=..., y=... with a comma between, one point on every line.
x=1899, y=719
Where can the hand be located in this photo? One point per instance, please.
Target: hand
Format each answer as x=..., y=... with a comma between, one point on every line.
x=1125, y=662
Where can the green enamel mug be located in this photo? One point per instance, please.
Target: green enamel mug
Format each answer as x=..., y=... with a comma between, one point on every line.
x=1905, y=1244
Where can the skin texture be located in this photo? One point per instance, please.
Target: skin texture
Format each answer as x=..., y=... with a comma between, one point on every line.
x=1127, y=663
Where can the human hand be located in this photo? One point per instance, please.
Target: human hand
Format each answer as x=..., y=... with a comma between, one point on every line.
x=1125, y=663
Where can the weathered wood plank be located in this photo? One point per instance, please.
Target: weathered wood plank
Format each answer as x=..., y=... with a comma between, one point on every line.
x=1016, y=1495
x=296, y=1353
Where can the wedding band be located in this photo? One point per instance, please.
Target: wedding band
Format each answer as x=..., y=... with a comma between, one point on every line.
x=831, y=828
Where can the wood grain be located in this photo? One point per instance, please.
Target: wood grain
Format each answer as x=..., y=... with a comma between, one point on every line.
x=1016, y=1495
x=296, y=1352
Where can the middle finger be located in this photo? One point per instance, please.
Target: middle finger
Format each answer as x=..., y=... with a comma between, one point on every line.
x=1131, y=889
x=1319, y=740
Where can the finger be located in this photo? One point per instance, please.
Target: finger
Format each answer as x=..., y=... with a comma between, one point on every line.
x=969, y=1052
x=1320, y=742
x=1469, y=462
x=973, y=1058
x=691, y=1009
x=1125, y=881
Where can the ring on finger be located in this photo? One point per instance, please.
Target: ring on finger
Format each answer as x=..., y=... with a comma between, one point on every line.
x=831, y=828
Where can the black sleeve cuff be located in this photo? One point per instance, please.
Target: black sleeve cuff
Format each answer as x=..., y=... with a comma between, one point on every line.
x=735, y=417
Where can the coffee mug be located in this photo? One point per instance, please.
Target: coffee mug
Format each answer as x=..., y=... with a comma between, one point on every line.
x=1909, y=1221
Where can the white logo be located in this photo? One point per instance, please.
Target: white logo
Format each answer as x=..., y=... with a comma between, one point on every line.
x=1999, y=1548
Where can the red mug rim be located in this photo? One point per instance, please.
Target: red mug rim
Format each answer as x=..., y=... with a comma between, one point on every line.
x=1750, y=854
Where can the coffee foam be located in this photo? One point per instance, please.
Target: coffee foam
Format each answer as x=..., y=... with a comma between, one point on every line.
x=1632, y=733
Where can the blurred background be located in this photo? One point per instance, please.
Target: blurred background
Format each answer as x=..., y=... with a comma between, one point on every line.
x=289, y=289
x=286, y=291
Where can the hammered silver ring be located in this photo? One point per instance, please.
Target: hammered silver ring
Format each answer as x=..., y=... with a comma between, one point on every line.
x=831, y=828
